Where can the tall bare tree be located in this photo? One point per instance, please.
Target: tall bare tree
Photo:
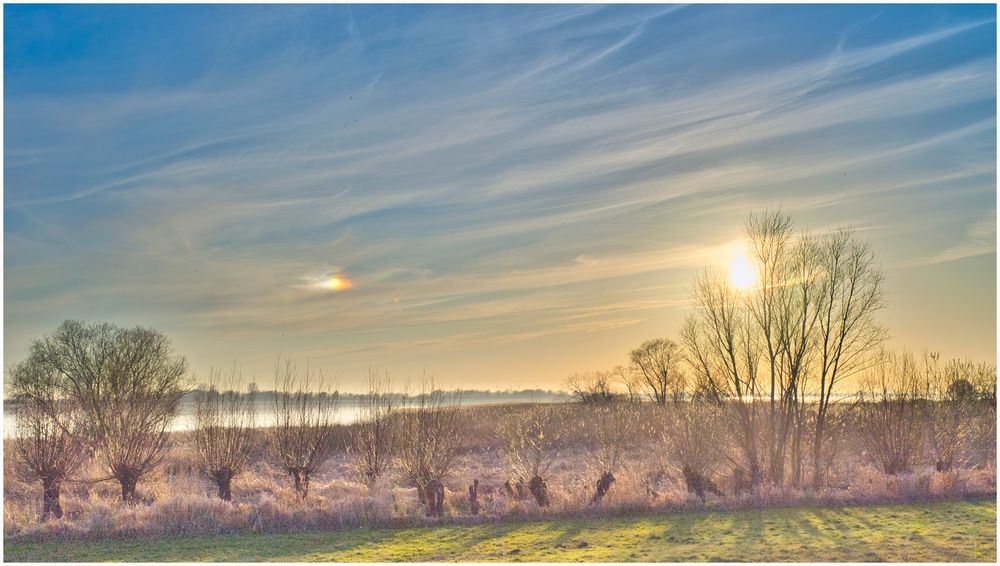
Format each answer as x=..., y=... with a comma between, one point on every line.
x=658, y=363
x=302, y=438
x=431, y=434
x=227, y=440
x=848, y=335
x=725, y=353
x=374, y=435
x=810, y=312
x=128, y=383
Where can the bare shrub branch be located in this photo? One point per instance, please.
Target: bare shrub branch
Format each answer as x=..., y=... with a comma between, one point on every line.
x=530, y=440
x=302, y=438
x=429, y=439
x=890, y=411
x=612, y=429
x=592, y=386
x=374, y=435
x=227, y=440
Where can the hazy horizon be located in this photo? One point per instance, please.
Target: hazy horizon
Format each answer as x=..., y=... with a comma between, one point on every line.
x=500, y=196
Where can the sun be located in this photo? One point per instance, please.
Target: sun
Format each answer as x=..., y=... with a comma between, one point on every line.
x=741, y=272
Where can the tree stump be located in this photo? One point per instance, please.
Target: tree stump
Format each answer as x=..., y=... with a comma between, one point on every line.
x=509, y=489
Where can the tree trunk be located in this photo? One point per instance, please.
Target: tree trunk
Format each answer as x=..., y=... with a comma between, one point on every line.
x=756, y=477
x=740, y=482
x=224, y=479
x=434, y=498
x=474, y=497
x=128, y=483
x=539, y=490
x=603, y=485
x=301, y=479
x=50, y=500
x=817, y=449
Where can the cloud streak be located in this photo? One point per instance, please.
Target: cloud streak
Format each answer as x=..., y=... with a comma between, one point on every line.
x=515, y=178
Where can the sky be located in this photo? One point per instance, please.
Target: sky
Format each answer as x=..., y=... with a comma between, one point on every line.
x=498, y=196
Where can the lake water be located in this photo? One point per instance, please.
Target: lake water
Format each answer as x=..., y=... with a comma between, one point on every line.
x=346, y=411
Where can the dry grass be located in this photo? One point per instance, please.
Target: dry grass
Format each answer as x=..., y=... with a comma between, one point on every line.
x=179, y=501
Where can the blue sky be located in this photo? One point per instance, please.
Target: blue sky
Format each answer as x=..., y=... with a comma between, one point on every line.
x=514, y=192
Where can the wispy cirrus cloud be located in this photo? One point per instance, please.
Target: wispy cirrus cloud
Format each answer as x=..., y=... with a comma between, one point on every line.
x=481, y=176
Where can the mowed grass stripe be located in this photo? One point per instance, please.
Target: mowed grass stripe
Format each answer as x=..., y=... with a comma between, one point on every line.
x=929, y=532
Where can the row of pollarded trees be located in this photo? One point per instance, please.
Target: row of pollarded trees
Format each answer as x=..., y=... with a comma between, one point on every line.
x=109, y=394
x=910, y=410
x=98, y=392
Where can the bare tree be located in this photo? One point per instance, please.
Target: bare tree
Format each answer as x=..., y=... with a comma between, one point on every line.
x=984, y=377
x=612, y=430
x=725, y=352
x=890, y=411
x=694, y=438
x=226, y=437
x=810, y=312
x=127, y=382
x=48, y=443
x=302, y=438
x=431, y=434
x=530, y=445
x=658, y=363
x=373, y=435
x=592, y=387
x=631, y=380
x=848, y=334
x=951, y=409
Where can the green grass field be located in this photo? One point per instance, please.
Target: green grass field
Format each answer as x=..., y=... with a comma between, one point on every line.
x=952, y=531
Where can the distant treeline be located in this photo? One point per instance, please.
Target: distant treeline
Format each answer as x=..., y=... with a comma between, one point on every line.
x=466, y=395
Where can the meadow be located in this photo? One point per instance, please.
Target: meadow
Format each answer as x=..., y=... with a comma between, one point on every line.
x=180, y=499
x=931, y=532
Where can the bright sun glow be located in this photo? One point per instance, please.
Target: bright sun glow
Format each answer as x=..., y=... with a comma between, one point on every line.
x=336, y=283
x=741, y=272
